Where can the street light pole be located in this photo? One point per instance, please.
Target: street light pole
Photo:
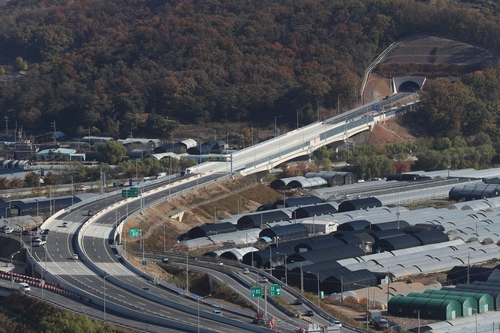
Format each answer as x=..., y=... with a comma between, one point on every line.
x=275, y=123
x=164, y=240
x=286, y=274
x=367, y=301
x=319, y=297
x=12, y=272
x=199, y=299
x=104, y=307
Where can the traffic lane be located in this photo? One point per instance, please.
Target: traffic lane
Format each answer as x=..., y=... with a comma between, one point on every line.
x=242, y=291
x=139, y=304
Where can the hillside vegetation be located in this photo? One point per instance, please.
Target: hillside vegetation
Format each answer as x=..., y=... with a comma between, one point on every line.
x=122, y=66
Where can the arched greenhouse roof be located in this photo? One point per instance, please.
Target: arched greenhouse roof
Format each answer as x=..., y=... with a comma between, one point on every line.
x=324, y=243
x=353, y=225
x=288, y=232
x=257, y=220
x=299, y=201
x=395, y=243
x=313, y=210
x=211, y=229
x=307, y=182
x=358, y=204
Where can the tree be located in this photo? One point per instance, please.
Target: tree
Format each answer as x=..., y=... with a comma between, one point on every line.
x=50, y=178
x=15, y=182
x=112, y=152
x=32, y=179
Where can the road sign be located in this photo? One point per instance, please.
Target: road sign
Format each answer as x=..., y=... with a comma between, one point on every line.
x=134, y=233
x=144, y=263
x=217, y=159
x=275, y=290
x=133, y=192
x=256, y=292
x=375, y=107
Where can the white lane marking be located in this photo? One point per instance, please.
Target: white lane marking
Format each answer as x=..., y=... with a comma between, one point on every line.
x=121, y=295
x=141, y=303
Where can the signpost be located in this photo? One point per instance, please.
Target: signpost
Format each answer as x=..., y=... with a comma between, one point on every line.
x=133, y=192
x=275, y=290
x=375, y=107
x=217, y=159
x=256, y=292
x=134, y=233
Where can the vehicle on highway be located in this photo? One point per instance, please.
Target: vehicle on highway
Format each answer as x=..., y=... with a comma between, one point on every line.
x=264, y=279
x=90, y=212
x=217, y=313
x=146, y=289
x=309, y=313
x=8, y=230
x=246, y=271
x=219, y=263
x=297, y=301
x=118, y=184
x=336, y=323
x=165, y=260
x=65, y=224
x=24, y=287
x=26, y=233
x=35, y=238
x=45, y=232
x=44, y=237
x=39, y=242
x=75, y=256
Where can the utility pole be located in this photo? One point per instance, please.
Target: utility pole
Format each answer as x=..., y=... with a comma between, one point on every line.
x=53, y=123
x=6, y=124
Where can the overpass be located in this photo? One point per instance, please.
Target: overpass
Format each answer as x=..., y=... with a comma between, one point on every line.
x=305, y=140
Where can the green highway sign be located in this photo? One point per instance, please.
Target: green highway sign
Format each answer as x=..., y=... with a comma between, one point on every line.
x=217, y=159
x=275, y=290
x=134, y=233
x=256, y=292
x=144, y=263
x=133, y=192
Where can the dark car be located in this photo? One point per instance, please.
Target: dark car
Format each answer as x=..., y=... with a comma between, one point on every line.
x=309, y=313
x=45, y=232
x=26, y=233
x=90, y=212
x=165, y=260
x=297, y=301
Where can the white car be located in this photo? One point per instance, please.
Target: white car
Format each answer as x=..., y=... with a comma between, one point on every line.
x=336, y=323
x=8, y=230
x=75, y=256
x=264, y=279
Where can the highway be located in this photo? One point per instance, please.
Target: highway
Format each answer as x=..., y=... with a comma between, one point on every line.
x=100, y=273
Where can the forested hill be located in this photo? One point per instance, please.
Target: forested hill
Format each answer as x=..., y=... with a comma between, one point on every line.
x=106, y=64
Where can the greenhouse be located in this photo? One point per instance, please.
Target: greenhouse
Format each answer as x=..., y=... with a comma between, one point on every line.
x=211, y=229
x=484, y=301
x=358, y=204
x=297, y=202
x=284, y=233
x=257, y=220
x=312, y=244
x=313, y=210
x=468, y=304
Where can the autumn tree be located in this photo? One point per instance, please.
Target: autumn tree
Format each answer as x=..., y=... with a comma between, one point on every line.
x=112, y=152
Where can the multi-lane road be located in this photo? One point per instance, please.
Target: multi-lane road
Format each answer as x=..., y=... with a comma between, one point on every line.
x=100, y=274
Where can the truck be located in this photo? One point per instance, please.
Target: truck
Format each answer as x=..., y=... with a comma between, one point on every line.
x=161, y=175
x=380, y=323
x=132, y=182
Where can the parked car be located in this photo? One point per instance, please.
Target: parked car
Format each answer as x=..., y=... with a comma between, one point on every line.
x=6, y=195
x=26, y=233
x=45, y=232
x=336, y=323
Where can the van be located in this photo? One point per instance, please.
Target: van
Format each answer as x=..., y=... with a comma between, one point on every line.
x=24, y=287
x=161, y=175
